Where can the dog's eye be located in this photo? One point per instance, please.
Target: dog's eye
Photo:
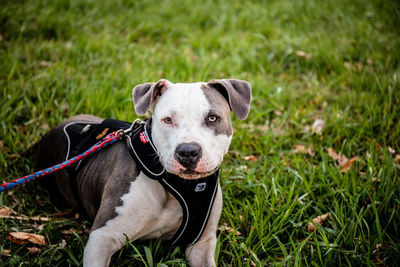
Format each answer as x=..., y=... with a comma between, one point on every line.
x=212, y=118
x=167, y=120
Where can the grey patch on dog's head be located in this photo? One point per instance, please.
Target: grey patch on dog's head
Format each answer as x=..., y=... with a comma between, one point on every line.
x=238, y=94
x=146, y=95
x=220, y=108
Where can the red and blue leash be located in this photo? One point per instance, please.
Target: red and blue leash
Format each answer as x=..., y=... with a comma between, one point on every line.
x=108, y=140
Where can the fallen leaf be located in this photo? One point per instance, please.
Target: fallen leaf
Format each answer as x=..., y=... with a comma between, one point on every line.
x=6, y=252
x=347, y=65
x=45, y=126
x=250, y=158
x=391, y=150
x=65, y=108
x=86, y=229
x=347, y=165
x=62, y=214
x=44, y=63
x=226, y=228
x=304, y=54
x=332, y=153
x=39, y=202
x=71, y=231
x=299, y=148
x=23, y=237
x=242, y=168
x=34, y=250
x=310, y=150
x=342, y=160
x=307, y=128
x=377, y=247
x=317, y=220
x=6, y=211
x=68, y=45
x=318, y=126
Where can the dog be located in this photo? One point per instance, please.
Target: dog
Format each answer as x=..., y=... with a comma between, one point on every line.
x=191, y=131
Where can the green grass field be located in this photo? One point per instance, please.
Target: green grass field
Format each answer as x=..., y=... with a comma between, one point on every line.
x=337, y=61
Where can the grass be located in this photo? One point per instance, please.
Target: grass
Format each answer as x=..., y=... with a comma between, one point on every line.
x=61, y=58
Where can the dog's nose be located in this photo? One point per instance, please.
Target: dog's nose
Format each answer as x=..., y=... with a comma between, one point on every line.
x=188, y=154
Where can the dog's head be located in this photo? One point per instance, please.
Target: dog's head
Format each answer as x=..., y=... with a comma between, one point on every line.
x=191, y=126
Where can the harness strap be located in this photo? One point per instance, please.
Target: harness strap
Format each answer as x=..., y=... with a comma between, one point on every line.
x=196, y=196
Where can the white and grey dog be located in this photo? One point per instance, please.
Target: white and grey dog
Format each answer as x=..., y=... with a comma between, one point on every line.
x=121, y=200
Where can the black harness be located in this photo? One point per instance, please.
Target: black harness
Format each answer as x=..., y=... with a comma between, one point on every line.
x=196, y=196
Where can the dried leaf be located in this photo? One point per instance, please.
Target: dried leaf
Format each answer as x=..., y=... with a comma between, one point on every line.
x=310, y=150
x=6, y=211
x=5, y=252
x=34, y=250
x=307, y=128
x=2, y=148
x=44, y=63
x=318, y=126
x=250, y=158
x=317, y=220
x=65, y=108
x=347, y=165
x=71, y=231
x=377, y=247
x=391, y=150
x=342, y=160
x=226, y=228
x=45, y=126
x=39, y=202
x=23, y=237
x=299, y=148
x=332, y=153
x=374, y=179
x=304, y=54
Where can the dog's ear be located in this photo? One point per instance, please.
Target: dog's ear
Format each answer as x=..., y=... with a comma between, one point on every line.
x=146, y=95
x=237, y=93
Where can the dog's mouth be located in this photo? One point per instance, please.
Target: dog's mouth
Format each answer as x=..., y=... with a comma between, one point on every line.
x=192, y=174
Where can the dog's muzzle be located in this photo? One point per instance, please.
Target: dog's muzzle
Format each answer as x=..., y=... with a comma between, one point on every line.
x=188, y=154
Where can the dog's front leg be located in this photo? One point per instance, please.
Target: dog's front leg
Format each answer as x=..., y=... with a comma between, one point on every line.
x=101, y=246
x=202, y=253
x=136, y=218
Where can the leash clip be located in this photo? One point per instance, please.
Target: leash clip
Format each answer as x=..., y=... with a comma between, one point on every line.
x=122, y=133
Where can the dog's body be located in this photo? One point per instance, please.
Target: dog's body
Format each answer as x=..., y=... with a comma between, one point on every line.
x=191, y=131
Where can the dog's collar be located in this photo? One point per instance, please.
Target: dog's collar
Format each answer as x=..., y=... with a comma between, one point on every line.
x=196, y=196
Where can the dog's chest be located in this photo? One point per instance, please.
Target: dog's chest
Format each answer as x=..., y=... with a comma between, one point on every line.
x=150, y=207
